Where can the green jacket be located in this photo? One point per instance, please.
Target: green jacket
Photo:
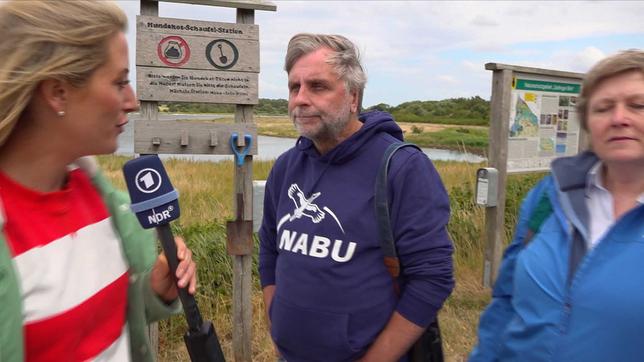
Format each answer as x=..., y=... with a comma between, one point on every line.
x=140, y=250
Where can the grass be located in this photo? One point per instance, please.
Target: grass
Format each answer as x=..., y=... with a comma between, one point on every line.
x=472, y=139
x=206, y=196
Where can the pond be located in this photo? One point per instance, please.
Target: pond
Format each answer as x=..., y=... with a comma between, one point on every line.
x=269, y=148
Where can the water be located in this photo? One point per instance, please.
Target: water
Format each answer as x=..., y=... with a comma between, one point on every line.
x=269, y=148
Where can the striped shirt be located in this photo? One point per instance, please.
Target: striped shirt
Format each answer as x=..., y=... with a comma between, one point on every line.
x=71, y=269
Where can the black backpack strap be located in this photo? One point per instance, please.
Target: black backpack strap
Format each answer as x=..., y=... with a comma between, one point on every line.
x=429, y=347
x=382, y=212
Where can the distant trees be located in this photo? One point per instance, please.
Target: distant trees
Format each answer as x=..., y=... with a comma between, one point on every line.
x=271, y=107
x=199, y=108
x=465, y=111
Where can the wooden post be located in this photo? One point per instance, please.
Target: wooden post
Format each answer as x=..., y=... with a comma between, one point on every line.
x=498, y=158
x=207, y=139
x=242, y=264
x=150, y=111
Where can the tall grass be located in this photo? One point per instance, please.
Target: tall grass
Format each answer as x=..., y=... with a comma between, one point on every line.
x=475, y=139
x=206, y=197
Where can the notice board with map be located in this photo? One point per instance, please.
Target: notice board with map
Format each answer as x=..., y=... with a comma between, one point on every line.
x=533, y=120
x=543, y=122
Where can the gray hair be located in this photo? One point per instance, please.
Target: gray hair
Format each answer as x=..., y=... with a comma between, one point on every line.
x=622, y=62
x=345, y=60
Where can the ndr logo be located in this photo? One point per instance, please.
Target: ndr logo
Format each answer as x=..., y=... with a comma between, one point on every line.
x=158, y=217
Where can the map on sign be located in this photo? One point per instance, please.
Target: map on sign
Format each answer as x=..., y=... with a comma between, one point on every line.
x=526, y=121
x=543, y=122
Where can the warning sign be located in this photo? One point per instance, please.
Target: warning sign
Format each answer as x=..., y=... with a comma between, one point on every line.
x=173, y=51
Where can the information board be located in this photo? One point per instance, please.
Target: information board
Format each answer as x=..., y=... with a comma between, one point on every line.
x=543, y=121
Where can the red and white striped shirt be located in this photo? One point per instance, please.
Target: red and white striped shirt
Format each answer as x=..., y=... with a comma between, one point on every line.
x=71, y=269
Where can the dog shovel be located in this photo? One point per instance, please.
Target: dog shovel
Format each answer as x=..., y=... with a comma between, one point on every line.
x=239, y=232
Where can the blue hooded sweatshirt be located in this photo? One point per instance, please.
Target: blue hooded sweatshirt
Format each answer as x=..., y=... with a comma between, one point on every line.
x=320, y=247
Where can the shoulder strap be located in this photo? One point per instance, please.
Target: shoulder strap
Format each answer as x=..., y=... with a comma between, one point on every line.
x=382, y=211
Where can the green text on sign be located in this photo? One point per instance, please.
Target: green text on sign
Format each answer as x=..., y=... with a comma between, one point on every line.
x=543, y=86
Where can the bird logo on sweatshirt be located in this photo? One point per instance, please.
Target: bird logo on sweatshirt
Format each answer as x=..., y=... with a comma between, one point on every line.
x=305, y=207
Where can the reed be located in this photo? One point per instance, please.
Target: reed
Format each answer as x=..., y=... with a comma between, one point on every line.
x=206, y=197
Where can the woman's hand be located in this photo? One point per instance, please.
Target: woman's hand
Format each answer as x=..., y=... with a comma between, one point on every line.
x=161, y=280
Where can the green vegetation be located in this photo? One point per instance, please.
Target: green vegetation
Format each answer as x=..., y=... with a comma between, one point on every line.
x=269, y=107
x=206, y=191
x=474, y=140
x=473, y=111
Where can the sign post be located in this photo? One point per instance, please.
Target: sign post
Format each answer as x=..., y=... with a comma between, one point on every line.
x=533, y=120
x=180, y=60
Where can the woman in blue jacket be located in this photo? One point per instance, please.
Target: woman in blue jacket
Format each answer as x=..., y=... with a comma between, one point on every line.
x=573, y=290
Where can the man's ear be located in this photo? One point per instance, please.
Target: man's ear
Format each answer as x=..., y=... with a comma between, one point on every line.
x=54, y=93
x=355, y=101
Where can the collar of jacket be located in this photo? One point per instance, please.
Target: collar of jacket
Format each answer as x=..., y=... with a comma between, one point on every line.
x=570, y=175
x=572, y=172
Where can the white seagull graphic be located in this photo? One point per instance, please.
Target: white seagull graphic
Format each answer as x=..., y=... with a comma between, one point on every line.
x=304, y=207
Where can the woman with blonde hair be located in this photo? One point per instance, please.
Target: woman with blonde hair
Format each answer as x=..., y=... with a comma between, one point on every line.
x=570, y=287
x=79, y=277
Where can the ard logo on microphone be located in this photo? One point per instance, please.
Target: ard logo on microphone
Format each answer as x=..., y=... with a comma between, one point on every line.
x=148, y=180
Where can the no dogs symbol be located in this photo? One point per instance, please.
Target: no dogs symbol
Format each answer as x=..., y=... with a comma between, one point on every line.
x=173, y=51
x=222, y=54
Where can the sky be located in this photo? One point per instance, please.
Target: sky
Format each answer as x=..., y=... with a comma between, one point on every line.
x=433, y=50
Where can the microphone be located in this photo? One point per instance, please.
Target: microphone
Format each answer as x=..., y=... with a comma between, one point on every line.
x=155, y=202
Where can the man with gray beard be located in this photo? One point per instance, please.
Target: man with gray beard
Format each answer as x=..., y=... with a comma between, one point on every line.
x=327, y=291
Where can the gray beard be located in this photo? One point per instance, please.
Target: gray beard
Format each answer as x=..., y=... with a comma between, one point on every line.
x=331, y=126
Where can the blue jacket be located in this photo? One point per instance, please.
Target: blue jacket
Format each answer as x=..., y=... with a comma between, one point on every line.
x=555, y=301
x=320, y=244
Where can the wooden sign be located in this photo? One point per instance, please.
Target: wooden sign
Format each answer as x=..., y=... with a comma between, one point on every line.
x=182, y=60
x=186, y=85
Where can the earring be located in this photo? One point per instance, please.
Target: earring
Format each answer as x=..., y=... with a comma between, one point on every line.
x=61, y=113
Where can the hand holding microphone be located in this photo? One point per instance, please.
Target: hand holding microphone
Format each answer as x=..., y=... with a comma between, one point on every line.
x=155, y=202
x=164, y=283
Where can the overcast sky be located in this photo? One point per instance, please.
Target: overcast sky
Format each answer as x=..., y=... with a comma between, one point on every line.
x=432, y=50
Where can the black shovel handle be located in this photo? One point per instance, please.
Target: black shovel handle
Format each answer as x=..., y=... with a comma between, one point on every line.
x=201, y=339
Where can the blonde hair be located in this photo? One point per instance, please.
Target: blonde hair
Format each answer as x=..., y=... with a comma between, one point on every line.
x=64, y=40
x=625, y=61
